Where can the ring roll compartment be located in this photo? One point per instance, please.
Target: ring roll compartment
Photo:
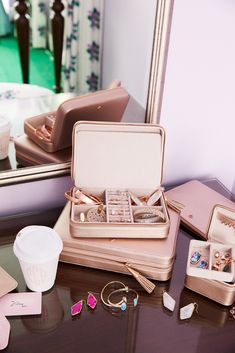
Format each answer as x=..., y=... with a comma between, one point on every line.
x=118, y=206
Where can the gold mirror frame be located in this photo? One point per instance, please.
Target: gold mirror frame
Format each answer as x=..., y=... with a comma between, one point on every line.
x=160, y=46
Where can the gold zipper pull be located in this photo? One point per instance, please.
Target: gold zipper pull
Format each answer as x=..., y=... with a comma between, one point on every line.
x=143, y=281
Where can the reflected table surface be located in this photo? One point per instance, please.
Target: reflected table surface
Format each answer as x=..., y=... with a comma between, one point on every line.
x=148, y=328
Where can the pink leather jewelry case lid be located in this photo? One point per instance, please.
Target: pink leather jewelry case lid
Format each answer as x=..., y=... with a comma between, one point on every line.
x=196, y=202
x=118, y=155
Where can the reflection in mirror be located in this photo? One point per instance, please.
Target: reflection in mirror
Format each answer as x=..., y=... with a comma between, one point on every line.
x=94, y=52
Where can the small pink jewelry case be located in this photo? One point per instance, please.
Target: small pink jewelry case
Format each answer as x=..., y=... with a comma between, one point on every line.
x=197, y=204
x=117, y=156
x=217, y=281
x=105, y=105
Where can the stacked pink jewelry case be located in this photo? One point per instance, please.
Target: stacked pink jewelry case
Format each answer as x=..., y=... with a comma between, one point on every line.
x=212, y=217
x=118, y=165
x=153, y=258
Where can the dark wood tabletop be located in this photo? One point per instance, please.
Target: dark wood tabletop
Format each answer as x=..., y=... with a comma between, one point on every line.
x=149, y=328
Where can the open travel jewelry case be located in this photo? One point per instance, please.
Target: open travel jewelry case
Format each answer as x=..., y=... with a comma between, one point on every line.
x=53, y=131
x=217, y=280
x=112, y=160
x=152, y=258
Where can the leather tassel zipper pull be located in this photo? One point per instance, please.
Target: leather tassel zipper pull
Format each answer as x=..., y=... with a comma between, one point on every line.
x=143, y=281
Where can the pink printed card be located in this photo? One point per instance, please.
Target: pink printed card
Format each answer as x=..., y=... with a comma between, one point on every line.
x=28, y=303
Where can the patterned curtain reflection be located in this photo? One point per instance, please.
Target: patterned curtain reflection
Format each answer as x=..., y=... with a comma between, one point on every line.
x=82, y=40
x=82, y=49
x=39, y=23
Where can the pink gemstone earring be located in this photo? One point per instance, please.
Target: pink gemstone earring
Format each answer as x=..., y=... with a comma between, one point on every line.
x=77, y=308
x=91, y=301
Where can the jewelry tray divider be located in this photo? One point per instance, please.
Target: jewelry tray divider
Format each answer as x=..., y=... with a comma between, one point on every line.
x=221, y=248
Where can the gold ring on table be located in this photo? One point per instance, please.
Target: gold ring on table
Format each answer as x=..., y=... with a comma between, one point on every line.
x=107, y=289
x=122, y=304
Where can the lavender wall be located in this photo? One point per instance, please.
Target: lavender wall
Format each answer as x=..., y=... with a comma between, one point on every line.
x=198, y=102
x=33, y=196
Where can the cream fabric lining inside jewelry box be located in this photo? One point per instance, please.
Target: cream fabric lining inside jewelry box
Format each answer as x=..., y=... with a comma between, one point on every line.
x=219, y=232
x=117, y=156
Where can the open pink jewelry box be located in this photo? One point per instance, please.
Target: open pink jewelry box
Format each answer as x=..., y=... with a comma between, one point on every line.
x=53, y=131
x=211, y=264
x=118, y=165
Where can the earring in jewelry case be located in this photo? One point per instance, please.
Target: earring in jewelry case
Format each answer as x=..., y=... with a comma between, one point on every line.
x=214, y=259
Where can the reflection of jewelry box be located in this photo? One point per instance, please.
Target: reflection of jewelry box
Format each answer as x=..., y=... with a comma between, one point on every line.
x=53, y=131
x=29, y=153
x=153, y=258
x=120, y=164
x=219, y=253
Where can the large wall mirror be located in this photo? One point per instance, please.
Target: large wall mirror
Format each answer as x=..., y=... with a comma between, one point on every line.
x=123, y=40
